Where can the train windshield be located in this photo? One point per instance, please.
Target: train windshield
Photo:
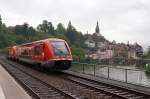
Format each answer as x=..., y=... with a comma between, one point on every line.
x=59, y=48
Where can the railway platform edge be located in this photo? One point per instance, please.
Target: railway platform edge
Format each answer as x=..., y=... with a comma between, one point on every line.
x=9, y=88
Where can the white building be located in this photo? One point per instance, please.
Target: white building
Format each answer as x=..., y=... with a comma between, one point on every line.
x=104, y=49
x=90, y=44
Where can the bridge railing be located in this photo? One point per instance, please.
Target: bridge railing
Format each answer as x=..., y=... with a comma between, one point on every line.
x=134, y=76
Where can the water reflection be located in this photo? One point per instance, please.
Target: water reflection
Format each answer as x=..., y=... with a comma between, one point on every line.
x=130, y=74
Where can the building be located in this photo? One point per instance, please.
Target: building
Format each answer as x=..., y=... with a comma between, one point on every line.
x=100, y=48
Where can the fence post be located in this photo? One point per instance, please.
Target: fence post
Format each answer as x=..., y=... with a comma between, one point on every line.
x=126, y=76
x=83, y=69
x=108, y=71
x=94, y=69
x=140, y=77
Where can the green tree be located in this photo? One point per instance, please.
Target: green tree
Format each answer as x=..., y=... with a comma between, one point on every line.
x=51, y=29
x=25, y=33
x=78, y=54
x=71, y=33
x=46, y=27
x=80, y=40
x=22, y=29
x=0, y=21
x=31, y=31
x=148, y=53
x=60, y=29
x=6, y=37
x=43, y=27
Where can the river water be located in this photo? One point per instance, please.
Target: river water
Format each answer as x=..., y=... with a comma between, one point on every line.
x=130, y=74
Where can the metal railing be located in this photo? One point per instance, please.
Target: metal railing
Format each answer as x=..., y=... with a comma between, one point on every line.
x=134, y=76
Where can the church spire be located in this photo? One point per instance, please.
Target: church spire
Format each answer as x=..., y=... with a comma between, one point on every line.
x=97, y=30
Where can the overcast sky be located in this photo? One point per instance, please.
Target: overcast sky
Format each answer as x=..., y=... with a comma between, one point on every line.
x=120, y=20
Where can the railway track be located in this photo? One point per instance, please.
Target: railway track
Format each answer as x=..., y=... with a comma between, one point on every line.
x=77, y=87
x=35, y=87
x=117, y=91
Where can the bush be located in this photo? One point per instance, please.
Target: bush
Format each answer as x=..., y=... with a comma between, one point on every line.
x=147, y=68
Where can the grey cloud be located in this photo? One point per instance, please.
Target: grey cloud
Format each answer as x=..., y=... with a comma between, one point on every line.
x=122, y=20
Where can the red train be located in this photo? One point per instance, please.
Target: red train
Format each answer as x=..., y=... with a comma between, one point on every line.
x=52, y=53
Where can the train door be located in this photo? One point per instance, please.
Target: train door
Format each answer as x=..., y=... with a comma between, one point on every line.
x=37, y=53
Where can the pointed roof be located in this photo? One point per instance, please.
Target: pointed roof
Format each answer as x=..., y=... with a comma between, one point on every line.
x=97, y=30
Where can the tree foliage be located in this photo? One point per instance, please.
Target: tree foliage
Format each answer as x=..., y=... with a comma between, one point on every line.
x=148, y=53
x=60, y=29
x=0, y=21
x=24, y=29
x=46, y=27
x=78, y=53
x=24, y=33
x=71, y=33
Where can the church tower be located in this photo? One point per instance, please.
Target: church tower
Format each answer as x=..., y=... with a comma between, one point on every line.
x=97, y=30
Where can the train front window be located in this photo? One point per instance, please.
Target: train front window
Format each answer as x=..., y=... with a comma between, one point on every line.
x=59, y=48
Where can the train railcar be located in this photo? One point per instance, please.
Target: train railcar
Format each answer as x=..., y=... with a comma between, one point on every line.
x=51, y=53
x=12, y=54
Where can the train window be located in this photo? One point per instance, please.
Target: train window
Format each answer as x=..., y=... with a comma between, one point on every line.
x=24, y=53
x=59, y=48
x=36, y=50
